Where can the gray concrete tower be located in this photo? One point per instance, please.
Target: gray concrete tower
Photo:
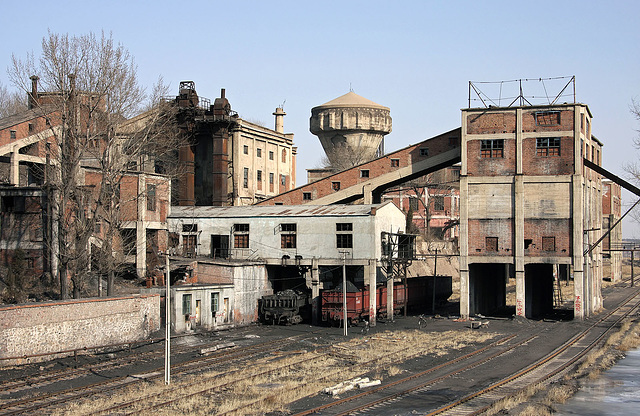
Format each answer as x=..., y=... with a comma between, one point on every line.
x=351, y=129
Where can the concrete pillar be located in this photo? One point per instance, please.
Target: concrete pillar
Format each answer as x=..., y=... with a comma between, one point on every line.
x=367, y=193
x=390, y=298
x=141, y=232
x=315, y=292
x=371, y=271
x=14, y=172
x=579, y=261
x=521, y=303
x=464, y=246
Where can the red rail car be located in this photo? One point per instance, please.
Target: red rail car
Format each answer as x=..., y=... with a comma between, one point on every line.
x=418, y=295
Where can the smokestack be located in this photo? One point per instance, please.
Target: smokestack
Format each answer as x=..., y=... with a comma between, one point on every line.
x=222, y=93
x=279, y=113
x=33, y=97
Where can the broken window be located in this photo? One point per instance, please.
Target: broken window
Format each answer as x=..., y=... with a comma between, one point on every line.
x=283, y=180
x=548, y=244
x=395, y=163
x=129, y=237
x=527, y=243
x=344, y=240
x=413, y=203
x=547, y=118
x=259, y=179
x=548, y=146
x=151, y=197
x=241, y=235
x=186, y=305
x=492, y=148
x=245, y=181
x=306, y=196
x=215, y=303
x=12, y=134
x=438, y=203
x=364, y=173
x=335, y=186
x=491, y=244
x=288, y=241
x=189, y=228
x=271, y=180
x=424, y=151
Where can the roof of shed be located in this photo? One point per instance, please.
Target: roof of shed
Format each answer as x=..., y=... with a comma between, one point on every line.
x=274, y=211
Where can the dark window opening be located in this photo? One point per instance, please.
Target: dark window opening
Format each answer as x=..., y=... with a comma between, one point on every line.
x=259, y=152
x=288, y=227
x=548, y=146
x=438, y=203
x=335, y=186
x=12, y=134
x=527, y=243
x=424, y=151
x=492, y=148
x=13, y=204
x=344, y=226
x=283, y=180
x=413, y=203
x=151, y=197
x=189, y=228
x=241, y=228
x=288, y=241
x=186, y=305
x=364, y=173
x=344, y=240
x=245, y=181
x=129, y=237
x=395, y=163
x=270, y=155
x=245, y=149
x=306, y=196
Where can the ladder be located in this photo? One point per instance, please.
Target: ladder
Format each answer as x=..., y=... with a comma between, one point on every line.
x=557, y=292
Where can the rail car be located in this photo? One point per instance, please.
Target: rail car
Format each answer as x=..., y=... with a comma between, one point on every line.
x=285, y=307
x=418, y=294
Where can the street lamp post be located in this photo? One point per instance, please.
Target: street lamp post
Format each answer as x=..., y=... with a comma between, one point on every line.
x=167, y=339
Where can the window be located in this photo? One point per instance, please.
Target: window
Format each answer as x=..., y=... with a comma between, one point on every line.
x=438, y=203
x=245, y=149
x=364, y=173
x=259, y=179
x=344, y=240
x=528, y=243
x=271, y=179
x=548, y=146
x=151, y=197
x=306, y=196
x=548, y=244
x=395, y=163
x=241, y=235
x=13, y=204
x=270, y=155
x=284, y=155
x=547, y=118
x=413, y=203
x=335, y=186
x=245, y=180
x=259, y=152
x=492, y=148
x=31, y=128
x=12, y=134
x=288, y=241
x=189, y=228
x=128, y=236
x=491, y=244
x=215, y=303
x=424, y=151
x=186, y=305
x=283, y=180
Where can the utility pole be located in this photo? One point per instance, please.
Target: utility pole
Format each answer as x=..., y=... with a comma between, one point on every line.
x=344, y=292
x=167, y=339
x=435, y=273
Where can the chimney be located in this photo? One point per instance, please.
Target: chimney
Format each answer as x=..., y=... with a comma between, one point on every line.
x=279, y=113
x=33, y=97
x=222, y=93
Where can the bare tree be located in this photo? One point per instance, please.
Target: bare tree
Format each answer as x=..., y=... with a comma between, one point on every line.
x=633, y=168
x=91, y=91
x=11, y=102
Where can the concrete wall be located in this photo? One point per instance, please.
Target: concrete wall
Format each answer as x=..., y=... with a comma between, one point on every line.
x=49, y=328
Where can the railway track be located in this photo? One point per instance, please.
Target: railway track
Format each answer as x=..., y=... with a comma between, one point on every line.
x=549, y=367
x=41, y=401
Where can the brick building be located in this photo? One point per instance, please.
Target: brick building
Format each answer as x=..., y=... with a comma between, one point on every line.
x=529, y=207
x=230, y=161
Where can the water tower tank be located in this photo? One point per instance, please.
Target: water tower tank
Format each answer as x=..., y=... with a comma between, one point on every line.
x=350, y=128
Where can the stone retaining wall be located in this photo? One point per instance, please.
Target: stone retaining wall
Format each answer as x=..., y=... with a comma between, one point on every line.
x=52, y=329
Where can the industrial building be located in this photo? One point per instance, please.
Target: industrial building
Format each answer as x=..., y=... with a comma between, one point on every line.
x=300, y=247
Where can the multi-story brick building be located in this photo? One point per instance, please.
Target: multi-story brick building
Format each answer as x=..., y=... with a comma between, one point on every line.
x=230, y=161
x=529, y=205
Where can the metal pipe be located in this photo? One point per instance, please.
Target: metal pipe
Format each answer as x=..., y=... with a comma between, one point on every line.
x=344, y=293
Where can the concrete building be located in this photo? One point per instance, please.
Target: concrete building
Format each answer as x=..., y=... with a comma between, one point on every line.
x=231, y=161
x=611, y=213
x=351, y=129
x=301, y=247
x=529, y=205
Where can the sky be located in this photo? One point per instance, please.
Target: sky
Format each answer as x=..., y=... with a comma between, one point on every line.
x=415, y=57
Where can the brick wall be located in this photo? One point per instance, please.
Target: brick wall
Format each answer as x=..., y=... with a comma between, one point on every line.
x=52, y=327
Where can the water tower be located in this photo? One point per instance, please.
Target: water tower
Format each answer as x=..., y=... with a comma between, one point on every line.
x=351, y=129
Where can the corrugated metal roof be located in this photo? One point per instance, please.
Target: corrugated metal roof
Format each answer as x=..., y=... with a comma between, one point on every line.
x=273, y=211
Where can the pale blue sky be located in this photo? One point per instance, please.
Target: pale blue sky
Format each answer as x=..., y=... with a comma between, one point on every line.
x=415, y=57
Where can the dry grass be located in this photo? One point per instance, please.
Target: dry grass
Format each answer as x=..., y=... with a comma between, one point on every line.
x=269, y=384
